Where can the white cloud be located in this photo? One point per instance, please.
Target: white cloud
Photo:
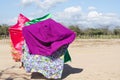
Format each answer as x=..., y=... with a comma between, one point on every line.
x=91, y=8
x=49, y=3
x=93, y=14
x=43, y=4
x=73, y=9
x=75, y=16
x=96, y=19
x=69, y=15
x=27, y=2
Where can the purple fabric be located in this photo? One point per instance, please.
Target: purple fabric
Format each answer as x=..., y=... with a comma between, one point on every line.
x=46, y=37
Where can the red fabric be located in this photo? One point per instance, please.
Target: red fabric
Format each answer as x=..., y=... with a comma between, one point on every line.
x=16, y=36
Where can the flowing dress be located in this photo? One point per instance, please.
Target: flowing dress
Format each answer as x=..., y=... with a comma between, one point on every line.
x=50, y=66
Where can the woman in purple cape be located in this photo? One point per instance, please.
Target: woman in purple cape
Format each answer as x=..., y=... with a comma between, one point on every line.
x=45, y=44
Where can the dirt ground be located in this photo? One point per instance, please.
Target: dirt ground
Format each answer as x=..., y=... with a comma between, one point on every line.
x=92, y=59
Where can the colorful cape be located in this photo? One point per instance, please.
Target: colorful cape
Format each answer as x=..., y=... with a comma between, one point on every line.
x=66, y=56
x=16, y=36
x=46, y=37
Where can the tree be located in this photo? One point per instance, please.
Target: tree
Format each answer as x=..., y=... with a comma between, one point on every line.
x=76, y=29
x=4, y=29
x=92, y=31
x=116, y=31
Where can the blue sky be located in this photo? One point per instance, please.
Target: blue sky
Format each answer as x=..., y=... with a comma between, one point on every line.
x=80, y=12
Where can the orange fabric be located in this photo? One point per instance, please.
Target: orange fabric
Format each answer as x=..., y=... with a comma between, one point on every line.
x=16, y=56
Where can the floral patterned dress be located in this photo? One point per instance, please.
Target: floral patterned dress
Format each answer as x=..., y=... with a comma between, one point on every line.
x=50, y=66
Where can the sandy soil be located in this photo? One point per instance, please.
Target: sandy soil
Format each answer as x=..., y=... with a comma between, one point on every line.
x=92, y=59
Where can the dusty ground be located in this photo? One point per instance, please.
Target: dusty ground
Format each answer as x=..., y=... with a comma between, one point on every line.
x=91, y=60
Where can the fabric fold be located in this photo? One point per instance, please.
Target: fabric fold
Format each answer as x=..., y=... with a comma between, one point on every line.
x=67, y=55
x=45, y=37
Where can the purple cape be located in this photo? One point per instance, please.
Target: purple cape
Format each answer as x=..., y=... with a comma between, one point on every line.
x=46, y=37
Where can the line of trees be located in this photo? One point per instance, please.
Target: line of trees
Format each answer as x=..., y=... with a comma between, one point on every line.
x=96, y=31
x=4, y=30
x=80, y=32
